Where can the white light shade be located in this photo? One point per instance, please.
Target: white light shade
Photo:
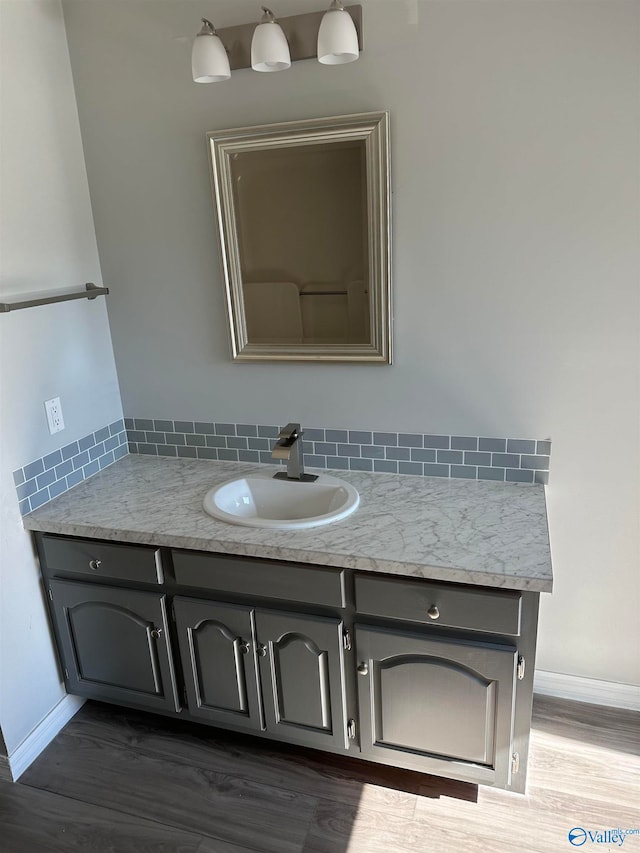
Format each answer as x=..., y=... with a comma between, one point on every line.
x=209, y=60
x=269, y=48
x=337, y=38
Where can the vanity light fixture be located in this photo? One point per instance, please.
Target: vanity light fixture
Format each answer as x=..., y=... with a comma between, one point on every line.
x=334, y=37
x=209, y=60
x=337, y=36
x=269, y=46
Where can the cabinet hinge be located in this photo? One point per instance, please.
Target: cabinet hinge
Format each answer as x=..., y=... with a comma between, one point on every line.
x=351, y=729
x=184, y=697
x=346, y=639
x=515, y=762
x=521, y=665
x=50, y=594
x=66, y=673
x=172, y=612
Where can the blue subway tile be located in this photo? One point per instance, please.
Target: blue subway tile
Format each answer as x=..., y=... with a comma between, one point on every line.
x=359, y=436
x=250, y=430
x=372, y=451
x=167, y=450
x=96, y=451
x=349, y=450
x=143, y=423
x=239, y=442
x=314, y=434
x=129, y=423
x=410, y=468
x=70, y=450
x=192, y=453
x=543, y=448
x=389, y=439
x=409, y=439
x=103, y=434
x=18, y=477
x=118, y=426
x=133, y=446
x=518, y=445
x=464, y=472
x=271, y=432
x=107, y=459
x=52, y=459
x=541, y=477
x=505, y=460
x=202, y=452
x=258, y=444
x=464, y=442
x=435, y=470
x=46, y=479
x=229, y=455
x=86, y=442
x=518, y=475
x=314, y=461
x=403, y=453
x=385, y=466
x=491, y=473
x=161, y=425
x=25, y=507
x=91, y=469
x=148, y=449
x=440, y=442
x=183, y=426
x=75, y=478
x=452, y=457
x=204, y=428
x=540, y=463
x=248, y=456
x=495, y=445
x=339, y=462
x=307, y=447
x=155, y=437
x=360, y=464
x=196, y=440
x=39, y=498
x=336, y=435
x=81, y=460
x=123, y=437
x=418, y=455
x=326, y=448
x=27, y=489
x=216, y=441
x=121, y=451
x=473, y=457
x=136, y=435
x=225, y=429
x=112, y=443
x=33, y=469
x=267, y=458
x=175, y=438
x=58, y=488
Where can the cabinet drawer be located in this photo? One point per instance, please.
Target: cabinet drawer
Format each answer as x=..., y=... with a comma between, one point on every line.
x=450, y=606
x=101, y=560
x=261, y=579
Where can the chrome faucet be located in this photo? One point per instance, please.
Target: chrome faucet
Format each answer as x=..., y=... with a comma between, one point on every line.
x=289, y=448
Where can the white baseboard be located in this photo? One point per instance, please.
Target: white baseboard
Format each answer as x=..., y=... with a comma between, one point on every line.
x=43, y=734
x=587, y=690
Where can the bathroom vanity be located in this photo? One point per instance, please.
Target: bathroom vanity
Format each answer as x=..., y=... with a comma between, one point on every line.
x=403, y=635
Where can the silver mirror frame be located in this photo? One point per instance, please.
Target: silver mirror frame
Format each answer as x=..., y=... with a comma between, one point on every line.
x=373, y=130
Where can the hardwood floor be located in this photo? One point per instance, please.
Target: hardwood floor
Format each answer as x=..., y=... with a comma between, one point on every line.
x=123, y=781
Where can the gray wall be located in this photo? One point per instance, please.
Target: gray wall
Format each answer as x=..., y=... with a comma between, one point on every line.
x=515, y=256
x=47, y=244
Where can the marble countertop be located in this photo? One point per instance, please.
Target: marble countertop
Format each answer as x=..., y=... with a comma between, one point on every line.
x=464, y=531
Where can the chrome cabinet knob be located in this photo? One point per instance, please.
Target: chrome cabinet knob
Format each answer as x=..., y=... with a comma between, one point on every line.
x=244, y=646
x=156, y=633
x=363, y=668
x=95, y=564
x=433, y=612
x=262, y=650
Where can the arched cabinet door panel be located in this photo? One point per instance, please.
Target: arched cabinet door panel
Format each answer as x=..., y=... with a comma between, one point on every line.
x=217, y=651
x=115, y=644
x=302, y=675
x=442, y=703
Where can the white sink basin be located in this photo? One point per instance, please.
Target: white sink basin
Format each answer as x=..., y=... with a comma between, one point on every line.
x=258, y=500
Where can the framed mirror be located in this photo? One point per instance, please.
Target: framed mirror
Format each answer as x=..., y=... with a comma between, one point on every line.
x=303, y=220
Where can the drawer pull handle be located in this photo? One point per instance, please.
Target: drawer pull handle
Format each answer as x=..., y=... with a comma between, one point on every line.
x=95, y=564
x=363, y=668
x=156, y=633
x=244, y=647
x=433, y=612
x=262, y=650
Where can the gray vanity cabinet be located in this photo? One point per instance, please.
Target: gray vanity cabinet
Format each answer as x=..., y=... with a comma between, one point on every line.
x=302, y=674
x=436, y=705
x=114, y=644
x=217, y=651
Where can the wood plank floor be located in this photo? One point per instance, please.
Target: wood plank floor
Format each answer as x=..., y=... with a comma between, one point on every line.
x=122, y=781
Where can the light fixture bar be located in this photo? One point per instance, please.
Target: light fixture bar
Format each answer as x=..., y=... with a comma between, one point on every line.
x=301, y=32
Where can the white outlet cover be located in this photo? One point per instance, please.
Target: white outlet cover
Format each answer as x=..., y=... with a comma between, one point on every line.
x=54, y=415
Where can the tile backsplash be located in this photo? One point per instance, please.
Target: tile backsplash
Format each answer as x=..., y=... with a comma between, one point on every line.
x=461, y=456
x=44, y=479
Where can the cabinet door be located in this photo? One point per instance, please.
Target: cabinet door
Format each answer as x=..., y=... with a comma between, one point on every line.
x=217, y=650
x=114, y=644
x=302, y=675
x=439, y=706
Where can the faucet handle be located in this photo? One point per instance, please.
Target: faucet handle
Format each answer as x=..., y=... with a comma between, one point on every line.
x=290, y=431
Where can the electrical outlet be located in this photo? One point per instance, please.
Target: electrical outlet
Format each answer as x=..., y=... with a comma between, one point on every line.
x=54, y=415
